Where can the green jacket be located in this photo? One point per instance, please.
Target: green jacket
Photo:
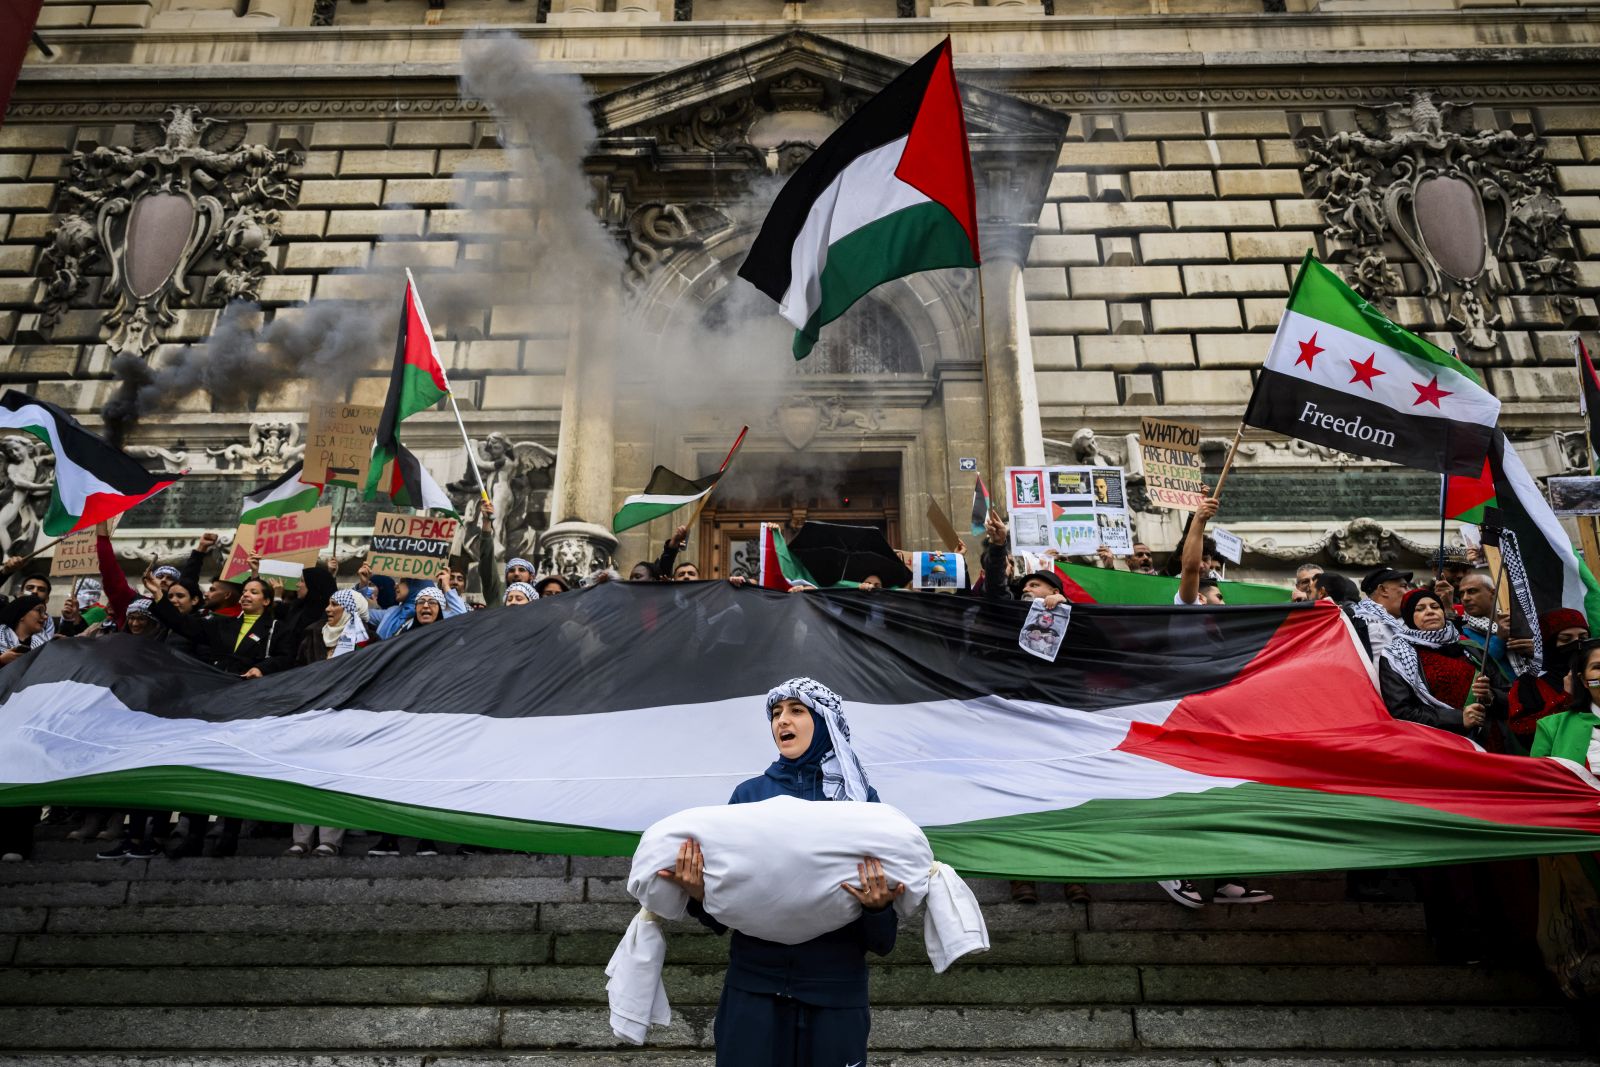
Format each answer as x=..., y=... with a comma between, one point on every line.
x=1566, y=734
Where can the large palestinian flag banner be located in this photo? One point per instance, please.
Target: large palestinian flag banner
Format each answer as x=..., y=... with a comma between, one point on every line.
x=888, y=194
x=1087, y=584
x=1339, y=374
x=94, y=481
x=1162, y=741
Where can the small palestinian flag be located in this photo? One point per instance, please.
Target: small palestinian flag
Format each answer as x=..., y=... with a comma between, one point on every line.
x=1340, y=374
x=889, y=194
x=1085, y=584
x=980, y=506
x=779, y=569
x=1589, y=396
x=666, y=493
x=416, y=383
x=1557, y=578
x=283, y=497
x=94, y=481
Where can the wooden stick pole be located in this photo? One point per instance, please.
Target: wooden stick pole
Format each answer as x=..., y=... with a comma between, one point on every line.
x=1227, y=464
x=988, y=406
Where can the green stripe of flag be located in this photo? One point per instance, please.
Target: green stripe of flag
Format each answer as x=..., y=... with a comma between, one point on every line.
x=1107, y=586
x=1322, y=294
x=666, y=493
x=913, y=239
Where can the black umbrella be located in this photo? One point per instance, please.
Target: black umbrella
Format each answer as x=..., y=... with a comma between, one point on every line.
x=834, y=553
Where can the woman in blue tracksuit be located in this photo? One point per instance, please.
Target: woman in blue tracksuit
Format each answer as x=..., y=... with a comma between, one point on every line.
x=800, y=1005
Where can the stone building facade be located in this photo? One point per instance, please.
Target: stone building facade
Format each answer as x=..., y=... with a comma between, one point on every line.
x=1149, y=174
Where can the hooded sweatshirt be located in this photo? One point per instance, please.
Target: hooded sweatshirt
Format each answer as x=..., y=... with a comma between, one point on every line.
x=828, y=971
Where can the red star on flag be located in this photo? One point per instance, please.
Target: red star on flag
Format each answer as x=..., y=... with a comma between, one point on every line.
x=1365, y=371
x=1430, y=392
x=1308, y=352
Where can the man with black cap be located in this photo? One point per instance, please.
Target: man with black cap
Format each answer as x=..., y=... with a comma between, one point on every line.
x=1385, y=588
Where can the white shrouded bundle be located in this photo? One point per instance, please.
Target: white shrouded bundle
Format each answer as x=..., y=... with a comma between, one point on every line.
x=774, y=870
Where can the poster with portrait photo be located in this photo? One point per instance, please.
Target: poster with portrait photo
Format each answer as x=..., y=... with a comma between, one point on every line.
x=1108, y=489
x=1070, y=484
x=1030, y=531
x=1116, y=532
x=1044, y=630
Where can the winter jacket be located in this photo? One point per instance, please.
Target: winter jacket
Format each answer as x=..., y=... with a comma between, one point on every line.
x=266, y=645
x=1459, y=659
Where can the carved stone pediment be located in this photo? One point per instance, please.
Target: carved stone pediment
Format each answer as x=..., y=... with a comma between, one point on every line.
x=1358, y=543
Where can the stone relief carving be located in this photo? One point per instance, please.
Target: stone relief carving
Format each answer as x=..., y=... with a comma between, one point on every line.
x=25, y=484
x=185, y=188
x=517, y=475
x=573, y=555
x=799, y=420
x=1358, y=543
x=173, y=461
x=655, y=231
x=269, y=448
x=1460, y=200
x=323, y=11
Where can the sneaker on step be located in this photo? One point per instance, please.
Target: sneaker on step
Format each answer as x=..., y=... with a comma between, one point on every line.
x=1234, y=893
x=144, y=850
x=426, y=848
x=1182, y=891
x=386, y=846
x=11, y=857
x=122, y=850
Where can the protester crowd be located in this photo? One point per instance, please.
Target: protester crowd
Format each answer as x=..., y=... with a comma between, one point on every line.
x=1446, y=655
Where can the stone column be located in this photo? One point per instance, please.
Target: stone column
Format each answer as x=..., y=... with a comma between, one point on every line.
x=579, y=541
x=1005, y=235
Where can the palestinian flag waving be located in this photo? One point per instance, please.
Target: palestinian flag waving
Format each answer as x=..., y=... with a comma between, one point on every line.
x=1557, y=578
x=283, y=497
x=416, y=383
x=1340, y=374
x=889, y=194
x=667, y=492
x=1258, y=744
x=94, y=481
x=1589, y=396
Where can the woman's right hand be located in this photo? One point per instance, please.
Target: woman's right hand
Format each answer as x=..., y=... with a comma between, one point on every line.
x=689, y=873
x=1474, y=715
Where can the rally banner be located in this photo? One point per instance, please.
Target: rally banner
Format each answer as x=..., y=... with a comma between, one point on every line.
x=1161, y=742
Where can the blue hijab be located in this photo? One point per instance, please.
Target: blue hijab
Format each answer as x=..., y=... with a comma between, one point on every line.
x=404, y=611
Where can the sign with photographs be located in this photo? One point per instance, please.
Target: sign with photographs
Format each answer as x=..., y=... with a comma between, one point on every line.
x=1073, y=510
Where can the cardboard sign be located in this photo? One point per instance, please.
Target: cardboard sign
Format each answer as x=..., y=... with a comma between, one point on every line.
x=75, y=556
x=339, y=443
x=942, y=526
x=410, y=546
x=1174, y=475
x=1071, y=510
x=237, y=564
x=298, y=537
x=1229, y=546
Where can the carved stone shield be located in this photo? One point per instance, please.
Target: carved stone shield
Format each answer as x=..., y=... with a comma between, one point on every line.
x=160, y=229
x=798, y=422
x=1451, y=222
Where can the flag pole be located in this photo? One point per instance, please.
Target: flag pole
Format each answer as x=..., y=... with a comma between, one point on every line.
x=1227, y=464
x=988, y=407
x=1583, y=399
x=720, y=470
x=427, y=329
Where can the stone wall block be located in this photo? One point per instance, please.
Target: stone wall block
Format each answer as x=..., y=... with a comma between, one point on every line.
x=1143, y=125
x=1576, y=118
x=1262, y=313
x=407, y=162
x=435, y=133
x=1171, y=184
x=15, y=166
x=1210, y=153
x=31, y=227
x=40, y=361
x=1087, y=388
x=454, y=222
x=1534, y=383
x=1048, y=283
x=375, y=223
x=1068, y=185
x=1247, y=123
x=1067, y=316
x=1116, y=218
x=121, y=16
x=36, y=136
x=1221, y=350
x=1135, y=351
x=1583, y=179
x=460, y=161
x=1591, y=146
x=1280, y=247
x=65, y=16
x=1563, y=150
x=1530, y=311
x=528, y=320
x=1228, y=387
x=1049, y=218
x=1194, y=316
x=1242, y=279
x=1275, y=153
x=350, y=134
x=548, y=355
x=1063, y=250
x=301, y=224
x=1138, y=390
x=1117, y=252
x=26, y=195
x=488, y=355
x=1156, y=248
x=78, y=397
x=329, y=192
x=521, y=392
x=1306, y=213
x=1100, y=155
x=1055, y=353
x=18, y=292
x=417, y=255
x=326, y=255
x=290, y=396
x=285, y=289
x=1109, y=187
x=1121, y=282
x=354, y=287
x=17, y=259
x=1126, y=318
x=1223, y=215
x=1582, y=208
x=1255, y=184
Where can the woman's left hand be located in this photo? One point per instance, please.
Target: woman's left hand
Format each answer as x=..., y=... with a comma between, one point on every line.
x=1480, y=688
x=874, y=893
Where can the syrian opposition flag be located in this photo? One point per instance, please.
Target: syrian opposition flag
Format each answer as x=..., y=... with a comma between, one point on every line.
x=285, y=496
x=1588, y=396
x=94, y=481
x=1084, y=584
x=1341, y=375
x=889, y=194
x=1556, y=577
x=1161, y=742
x=416, y=383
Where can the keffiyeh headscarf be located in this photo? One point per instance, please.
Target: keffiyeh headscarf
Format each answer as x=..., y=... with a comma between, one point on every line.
x=433, y=593
x=140, y=606
x=521, y=587
x=347, y=636
x=842, y=776
x=166, y=570
x=1402, y=651
x=518, y=561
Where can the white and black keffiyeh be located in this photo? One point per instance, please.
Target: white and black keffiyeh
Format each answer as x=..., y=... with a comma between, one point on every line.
x=10, y=640
x=347, y=636
x=141, y=606
x=1373, y=614
x=518, y=561
x=842, y=776
x=1517, y=575
x=1402, y=655
x=521, y=587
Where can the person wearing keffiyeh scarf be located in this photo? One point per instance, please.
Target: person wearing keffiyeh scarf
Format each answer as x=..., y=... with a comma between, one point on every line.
x=519, y=593
x=810, y=997
x=1427, y=674
x=1538, y=694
